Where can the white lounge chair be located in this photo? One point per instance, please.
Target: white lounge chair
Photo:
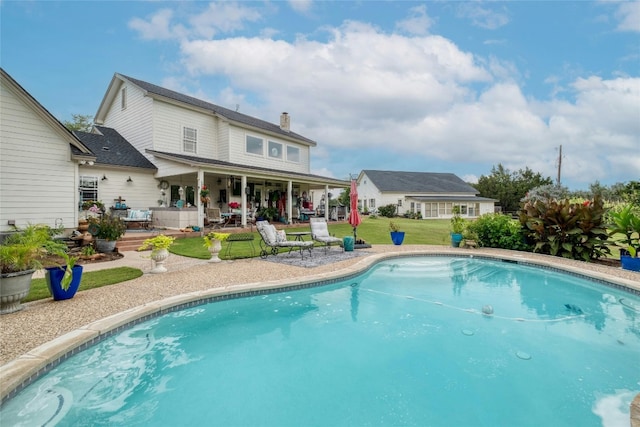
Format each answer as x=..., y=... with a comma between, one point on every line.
x=215, y=218
x=320, y=233
x=272, y=240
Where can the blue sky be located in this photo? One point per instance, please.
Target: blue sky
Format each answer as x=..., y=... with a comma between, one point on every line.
x=419, y=86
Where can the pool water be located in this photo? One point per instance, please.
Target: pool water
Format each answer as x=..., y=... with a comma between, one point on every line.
x=406, y=344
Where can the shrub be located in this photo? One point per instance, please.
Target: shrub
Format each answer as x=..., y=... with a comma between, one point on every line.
x=388, y=211
x=562, y=228
x=498, y=231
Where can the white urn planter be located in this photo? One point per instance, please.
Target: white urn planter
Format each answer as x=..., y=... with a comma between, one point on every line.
x=159, y=256
x=214, y=249
x=14, y=287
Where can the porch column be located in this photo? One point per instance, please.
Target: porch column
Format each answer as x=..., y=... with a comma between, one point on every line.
x=326, y=204
x=290, y=201
x=198, y=202
x=243, y=206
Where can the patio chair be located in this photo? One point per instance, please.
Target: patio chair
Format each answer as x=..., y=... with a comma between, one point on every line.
x=273, y=240
x=214, y=217
x=320, y=233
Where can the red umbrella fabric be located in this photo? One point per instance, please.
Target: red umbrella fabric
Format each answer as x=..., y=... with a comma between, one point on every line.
x=354, y=215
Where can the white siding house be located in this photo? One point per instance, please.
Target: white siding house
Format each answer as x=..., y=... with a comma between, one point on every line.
x=38, y=169
x=194, y=143
x=429, y=195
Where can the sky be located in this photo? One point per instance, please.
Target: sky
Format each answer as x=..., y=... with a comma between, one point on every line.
x=435, y=86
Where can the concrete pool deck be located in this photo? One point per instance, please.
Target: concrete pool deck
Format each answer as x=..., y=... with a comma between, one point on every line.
x=46, y=330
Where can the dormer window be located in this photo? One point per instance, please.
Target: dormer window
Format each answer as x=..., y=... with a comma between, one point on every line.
x=189, y=139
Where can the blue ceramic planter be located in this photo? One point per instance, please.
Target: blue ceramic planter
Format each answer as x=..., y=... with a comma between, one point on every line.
x=397, y=237
x=456, y=238
x=630, y=263
x=54, y=276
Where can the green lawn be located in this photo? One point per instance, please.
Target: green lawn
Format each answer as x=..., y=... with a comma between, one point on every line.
x=372, y=230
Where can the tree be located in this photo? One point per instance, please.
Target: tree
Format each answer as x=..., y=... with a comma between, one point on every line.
x=509, y=187
x=80, y=122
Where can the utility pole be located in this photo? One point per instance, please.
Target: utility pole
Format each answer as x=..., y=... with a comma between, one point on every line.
x=559, y=164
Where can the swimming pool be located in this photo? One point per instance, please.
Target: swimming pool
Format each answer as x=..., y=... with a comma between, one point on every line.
x=405, y=344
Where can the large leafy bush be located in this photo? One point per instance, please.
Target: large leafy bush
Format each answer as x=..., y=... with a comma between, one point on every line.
x=562, y=228
x=388, y=211
x=498, y=231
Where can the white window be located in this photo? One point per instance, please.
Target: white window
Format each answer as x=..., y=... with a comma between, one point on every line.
x=372, y=203
x=88, y=188
x=123, y=98
x=293, y=154
x=254, y=145
x=399, y=202
x=189, y=139
x=275, y=150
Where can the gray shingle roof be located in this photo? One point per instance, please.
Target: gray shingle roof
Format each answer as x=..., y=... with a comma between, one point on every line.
x=418, y=182
x=225, y=112
x=112, y=149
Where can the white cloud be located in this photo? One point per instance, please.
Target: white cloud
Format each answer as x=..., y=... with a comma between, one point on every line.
x=223, y=17
x=380, y=96
x=157, y=27
x=483, y=17
x=418, y=23
x=301, y=6
x=629, y=15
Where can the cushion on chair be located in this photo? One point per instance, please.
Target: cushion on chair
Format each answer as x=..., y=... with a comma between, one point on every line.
x=281, y=236
x=319, y=228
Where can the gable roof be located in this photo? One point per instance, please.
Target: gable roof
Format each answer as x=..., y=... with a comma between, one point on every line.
x=417, y=182
x=110, y=148
x=78, y=150
x=234, y=116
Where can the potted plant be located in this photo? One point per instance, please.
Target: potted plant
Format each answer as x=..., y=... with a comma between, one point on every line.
x=204, y=195
x=106, y=229
x=213, y=242
x=63, y=281
x=397, y=236
x=20, y=255
x=626, y=222
x=159, y=246
x=457, y=227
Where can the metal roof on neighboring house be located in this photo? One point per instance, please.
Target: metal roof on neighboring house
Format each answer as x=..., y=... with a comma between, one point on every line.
x=225, y=112
x=111, y=148
x=418, y=182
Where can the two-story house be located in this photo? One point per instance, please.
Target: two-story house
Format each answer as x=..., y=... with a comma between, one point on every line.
x=196, y=144
x=432, y=195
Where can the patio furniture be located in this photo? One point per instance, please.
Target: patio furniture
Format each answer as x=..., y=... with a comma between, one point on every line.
x=141, y=217
x=320, y=233
x=273, y=240
x=240, y=237
x=214, y=217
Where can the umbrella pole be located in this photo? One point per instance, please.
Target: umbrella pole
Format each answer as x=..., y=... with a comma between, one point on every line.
x=355, y=236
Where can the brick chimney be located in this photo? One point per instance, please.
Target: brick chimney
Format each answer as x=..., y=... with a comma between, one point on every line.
x=285, y=122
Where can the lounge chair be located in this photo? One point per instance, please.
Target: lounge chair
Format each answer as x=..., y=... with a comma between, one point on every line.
x=320, y=233
x=272, y=240
x=214, y=217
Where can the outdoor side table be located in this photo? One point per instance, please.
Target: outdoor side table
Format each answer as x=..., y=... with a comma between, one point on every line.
x=299, y=235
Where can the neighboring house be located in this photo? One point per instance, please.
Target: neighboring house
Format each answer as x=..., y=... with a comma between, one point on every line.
x=194, y=143
x=432, y=195
x=39, y=161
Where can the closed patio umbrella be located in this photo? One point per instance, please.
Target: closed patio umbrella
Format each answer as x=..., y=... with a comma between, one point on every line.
x=354, y=215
